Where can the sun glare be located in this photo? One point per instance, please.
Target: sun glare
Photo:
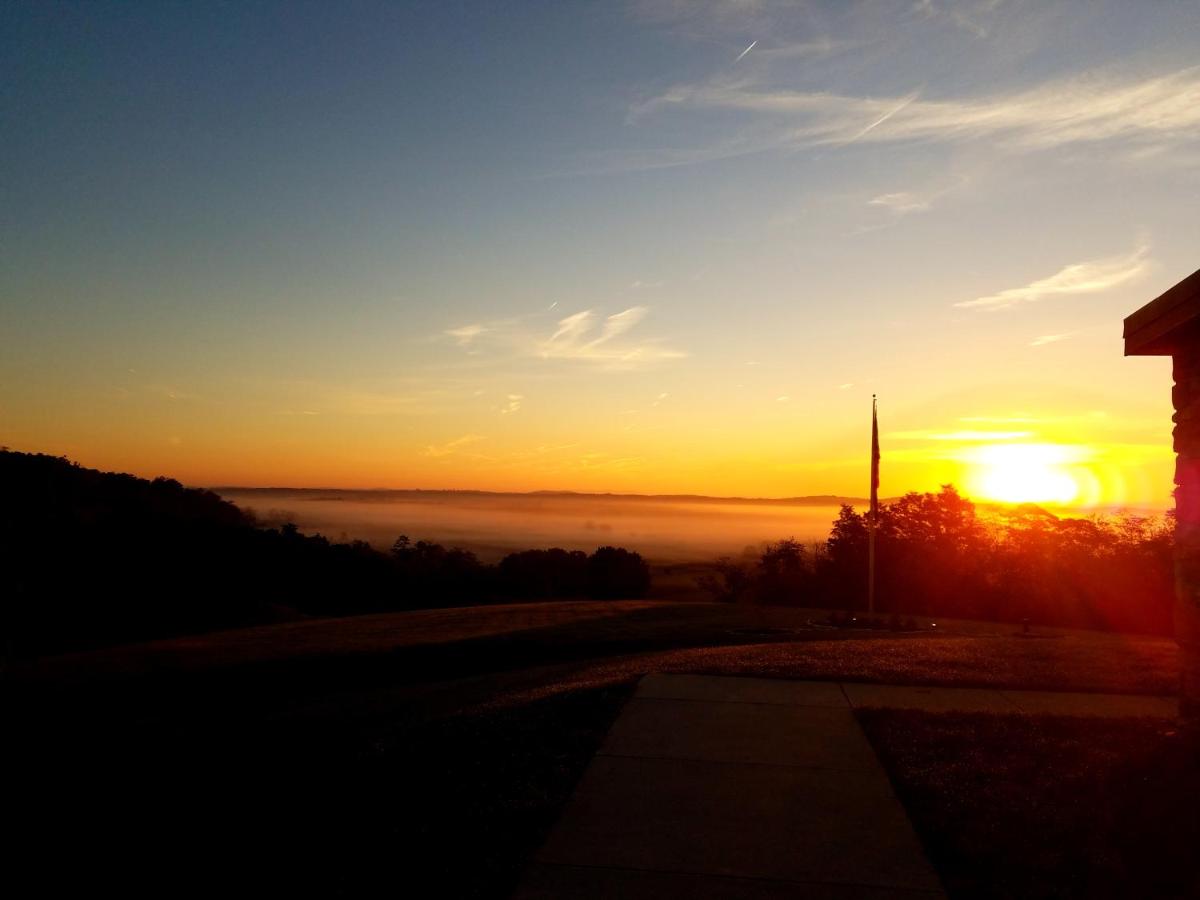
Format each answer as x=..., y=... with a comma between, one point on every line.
x=1024, y=473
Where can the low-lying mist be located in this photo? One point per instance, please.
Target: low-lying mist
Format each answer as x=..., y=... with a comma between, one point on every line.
x=664, y=530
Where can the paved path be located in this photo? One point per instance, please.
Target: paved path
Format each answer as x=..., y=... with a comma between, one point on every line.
x=712, y=787
x=715, y=787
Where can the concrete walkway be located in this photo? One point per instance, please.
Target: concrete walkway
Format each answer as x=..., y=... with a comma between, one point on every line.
x=717, y=787
x=712, y=787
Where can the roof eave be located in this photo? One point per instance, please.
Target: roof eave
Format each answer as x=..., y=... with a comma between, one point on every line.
x=1157, y=329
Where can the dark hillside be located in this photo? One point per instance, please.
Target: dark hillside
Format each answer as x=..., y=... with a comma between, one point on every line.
x=93, y=558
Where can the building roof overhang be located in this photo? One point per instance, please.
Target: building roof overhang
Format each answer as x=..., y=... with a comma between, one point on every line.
x=1166, y=323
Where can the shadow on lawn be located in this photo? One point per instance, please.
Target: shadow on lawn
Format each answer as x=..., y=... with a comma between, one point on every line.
x=1047, y=807
x=156, y=692
x=450, y=807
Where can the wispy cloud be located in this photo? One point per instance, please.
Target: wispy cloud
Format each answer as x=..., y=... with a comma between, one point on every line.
x=585, y=335
x=964, y=436
x=962, y=15
x=904, y=203
x=512, y=404
x=1045, y=339
x=466, y=334
x=742, y=55
x=901, y=202
x=904, y=102
x=1000, y=420
x=570, y=330
x=1087, y=277
x=450, y=447
x=1150, y=112
x=577, y=338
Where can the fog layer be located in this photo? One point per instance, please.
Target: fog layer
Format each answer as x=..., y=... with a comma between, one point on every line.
x=491, y=525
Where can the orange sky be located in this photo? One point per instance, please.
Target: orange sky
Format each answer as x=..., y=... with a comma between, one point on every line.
x=602, y=252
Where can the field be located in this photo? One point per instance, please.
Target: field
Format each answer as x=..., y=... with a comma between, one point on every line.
x=436, y=746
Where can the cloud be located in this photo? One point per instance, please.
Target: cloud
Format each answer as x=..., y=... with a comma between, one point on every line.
x=450, y=447
x=1088, y=277
x=571, y=329
x=959, y=14
x=742, y=55
x=904, y=102
x=616, y=325
x=1146, y=113
x=513, y=405
x=574, y=340
x=968, y=436
x=784, y=26
x=1050, y=339
x=584, y=335
x=1001, y=420
x=466, y=334
x=901, y=203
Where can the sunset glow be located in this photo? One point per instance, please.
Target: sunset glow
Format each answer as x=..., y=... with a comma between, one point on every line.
x=646, y=247
x=431, y=431
x=1024, y=473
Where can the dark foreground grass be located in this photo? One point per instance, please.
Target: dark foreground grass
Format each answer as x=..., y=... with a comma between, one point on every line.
x=1047, y=807
x=426, y=757
x=444, y=807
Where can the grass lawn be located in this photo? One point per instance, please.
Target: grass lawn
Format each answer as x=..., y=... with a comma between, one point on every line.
x=423, y=752
x=1042, y=806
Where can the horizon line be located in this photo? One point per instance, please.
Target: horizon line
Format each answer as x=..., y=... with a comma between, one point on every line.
x=833, y=499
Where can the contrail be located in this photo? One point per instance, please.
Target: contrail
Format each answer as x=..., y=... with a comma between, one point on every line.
x=887, y=115
x=747, y=50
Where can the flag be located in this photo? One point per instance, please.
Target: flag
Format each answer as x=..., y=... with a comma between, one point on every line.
x=874, y=462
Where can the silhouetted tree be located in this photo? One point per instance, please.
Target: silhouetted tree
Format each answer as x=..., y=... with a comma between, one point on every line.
x=782, y=574
x=729, y=582
x=614, y=572
x=936, y=555
x=544, y=574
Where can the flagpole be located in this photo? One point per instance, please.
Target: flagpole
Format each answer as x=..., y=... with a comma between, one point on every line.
x=873, y=514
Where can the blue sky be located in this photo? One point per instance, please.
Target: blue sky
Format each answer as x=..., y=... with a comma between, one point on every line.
x=330, y=244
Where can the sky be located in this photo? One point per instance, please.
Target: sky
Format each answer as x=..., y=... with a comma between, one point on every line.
x=656, y=247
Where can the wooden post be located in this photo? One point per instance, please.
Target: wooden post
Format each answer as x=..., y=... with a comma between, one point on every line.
x=1186, y=398
x=1169, y=325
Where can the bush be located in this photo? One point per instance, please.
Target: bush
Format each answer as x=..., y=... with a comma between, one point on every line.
x=616, y=573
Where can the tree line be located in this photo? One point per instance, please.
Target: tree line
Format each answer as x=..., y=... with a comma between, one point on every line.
x=936, y=554
x=91, y=558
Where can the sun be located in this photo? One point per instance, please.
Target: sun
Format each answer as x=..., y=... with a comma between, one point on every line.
x=1024, y=473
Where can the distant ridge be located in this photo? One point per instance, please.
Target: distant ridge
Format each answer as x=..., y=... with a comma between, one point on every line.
x=383, y=493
